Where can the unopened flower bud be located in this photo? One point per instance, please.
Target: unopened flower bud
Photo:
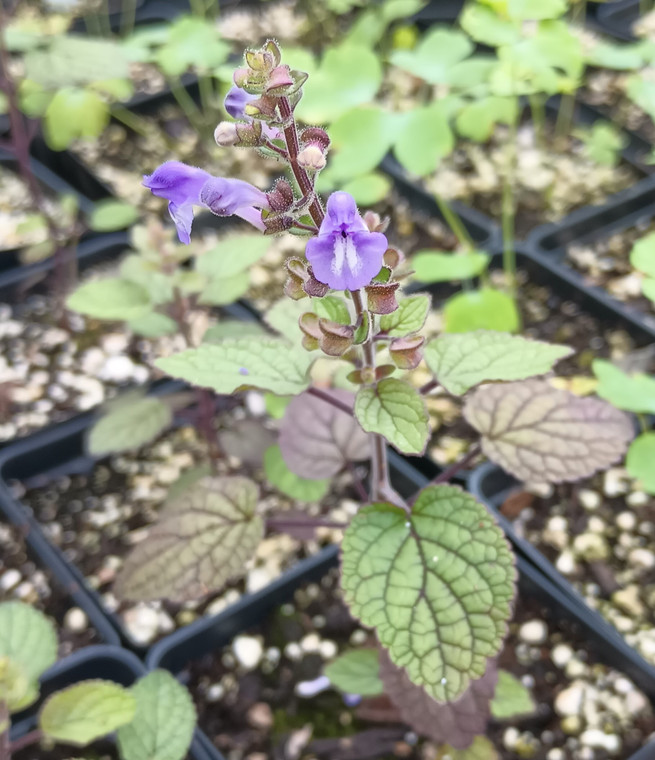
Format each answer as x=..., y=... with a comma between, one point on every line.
x=312, y=158
x=407, y=352
x=382, y=297
x=275, y=223
x=281, y=198
x=315, y=136
x=226, y=134
x=335, y=338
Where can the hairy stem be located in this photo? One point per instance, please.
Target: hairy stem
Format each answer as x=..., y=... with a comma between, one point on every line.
x=33, y=737
x=293, y=148
x=359, y=486
x=329, y=399
x=428, y=387
x=460, y=464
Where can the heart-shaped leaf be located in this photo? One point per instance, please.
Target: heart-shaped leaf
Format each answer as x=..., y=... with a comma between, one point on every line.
x=461, y=360
x=129, y=424
x=27, y=638
x=437, y=585
x=435, y=266
x=409, y=317
x=456, y=723
x=317, y=439
x=202, y=539
x=357, y=672
x=511, y=698
x=540, y=433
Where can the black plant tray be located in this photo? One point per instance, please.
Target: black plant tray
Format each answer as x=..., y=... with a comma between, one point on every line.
x=52, y=183
x=491, y=485
x=106, y=662
x=617, y=18
x=629, y=208
x=60, y=449
x=206, y=636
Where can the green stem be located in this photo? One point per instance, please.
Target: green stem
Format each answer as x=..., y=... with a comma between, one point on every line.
x=92, y=24
x=206, y=96
x=565, y=116
x=131, y=120
x=128, y=17
x=509, y=207
x=645, y=6
x=538, y=118
x=104, y=19
x=187, y=104
x=455, y=223
x=198, y=8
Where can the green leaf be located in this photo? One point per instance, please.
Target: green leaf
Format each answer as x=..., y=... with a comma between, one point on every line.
x=369, y=188
x=642, y=256
x=484, y=309
x=265, y=363
x=477, y=120
x=485, y=26
x=632, y=393
x=409, y=317
x=86, y=711
x=639, y=461
x=648, y=288
x=642, y=92
x=356, y=672
x=280, y=476
x=224, y=290
x=603, y=143
x=110, y=298
x=71, y=60
x=147, y=275
x=192, y=43
x=33, y=99
x=17, y=690
x=153, y=325
x=284, y=314
x=395, y=410
x=276, y=405
x=511, y=698
x=539, y=433
x=436, y=266
x=111, y=215
x=74, y=113
x=163, y=725
x=426, y=138
x=203, y=538
x=461, y=360
x=610, y=55
x=233, y=254
x=360, y=139
x=129, y=425
x=437, y=585
x=435, y=56
x=349, y=75
x=27, y=638
x=332, y=307
x=233, y=328
x=534, y=10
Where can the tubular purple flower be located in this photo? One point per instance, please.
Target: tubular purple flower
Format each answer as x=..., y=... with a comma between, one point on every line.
x=235, y=104
x=345, y=255
x=186, y=186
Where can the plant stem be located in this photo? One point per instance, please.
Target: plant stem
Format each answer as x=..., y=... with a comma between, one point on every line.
x=509, y=207
x=198, y=8
x=284, y=523
x=25, y=741
x=128, y=17
x=131, y=120
x=460, y=464
x=453, y=220
x=329, y=399
x=5, y=725
x=565, y=116
x=428, y=387
x=206, y=96
x=538, y=118
x=293, y=148
x=359, y=486
x=187, y=104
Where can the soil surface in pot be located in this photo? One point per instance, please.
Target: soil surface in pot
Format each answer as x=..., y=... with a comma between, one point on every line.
x=97, y=516
x=606, y=264
x=550, y=181
x=546, y=315
x=21, y=579
x=263, y=696
x=600, y=534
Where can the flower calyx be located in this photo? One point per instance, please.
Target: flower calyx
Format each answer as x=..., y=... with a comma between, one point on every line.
x=382, y=297
x=407, y=352
x=301, y=281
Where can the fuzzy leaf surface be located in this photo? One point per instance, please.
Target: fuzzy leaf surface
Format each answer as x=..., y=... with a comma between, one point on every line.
x=316, y=438
x=395, y=410
x=437, y=585
x=461, y=360
x=286, y=481
x=456, y=723
x=539, y=433
x=409, y=317
x=129, y=425
x=110, y=298
x=86, y=711
x=511, y=698
x=27, y=638
x=356, y=672
x=202, y=539
x=163, y=725
x=265, y=363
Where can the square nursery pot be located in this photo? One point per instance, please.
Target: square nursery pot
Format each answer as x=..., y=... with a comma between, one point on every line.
x=205, y=636
x=52, y=184
x=633, y=207
x=60, y=450
x=105, y=662
x=617, y=18
x=491, y=485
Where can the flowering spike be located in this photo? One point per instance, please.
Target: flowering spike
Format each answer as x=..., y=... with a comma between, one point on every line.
x=345, y=255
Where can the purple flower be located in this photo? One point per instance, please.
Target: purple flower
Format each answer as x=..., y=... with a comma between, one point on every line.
x=345, y=255
x=187, y=186
x=235, y=104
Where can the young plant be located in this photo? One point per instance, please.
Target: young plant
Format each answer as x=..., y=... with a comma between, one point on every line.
x=642, y=258
x=432, y=576
x=155, y=718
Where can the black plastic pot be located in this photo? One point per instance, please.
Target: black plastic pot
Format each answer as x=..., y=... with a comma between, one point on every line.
x=629, y=208
x=491, y=485
x=106, y=662
x=52, y=184
x=617, y=18
x=206, y=636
